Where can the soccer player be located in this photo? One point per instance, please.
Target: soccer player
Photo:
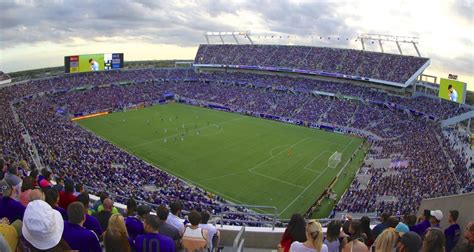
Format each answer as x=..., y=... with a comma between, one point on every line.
x=290, y=152
x=453, y=95
x=166, y=130
x=94, y=65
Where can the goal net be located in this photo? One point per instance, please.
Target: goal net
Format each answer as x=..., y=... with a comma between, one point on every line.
x=334, y=160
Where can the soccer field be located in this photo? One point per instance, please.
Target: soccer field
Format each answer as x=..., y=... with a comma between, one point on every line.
x=244, y=159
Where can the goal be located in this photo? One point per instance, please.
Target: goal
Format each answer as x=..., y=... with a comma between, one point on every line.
x=334, y=160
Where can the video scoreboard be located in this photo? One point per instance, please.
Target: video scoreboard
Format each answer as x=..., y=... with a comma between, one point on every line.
x=93, y=62
x=452, y=90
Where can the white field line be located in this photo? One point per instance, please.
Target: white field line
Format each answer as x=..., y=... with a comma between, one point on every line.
x=271, y=151
x=278, y=153
x=312, y=182
x=314, y=159
x=279, y=180
x=305, y=189
x=252, y=168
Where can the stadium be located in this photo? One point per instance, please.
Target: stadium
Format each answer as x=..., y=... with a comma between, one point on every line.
x=247, y=134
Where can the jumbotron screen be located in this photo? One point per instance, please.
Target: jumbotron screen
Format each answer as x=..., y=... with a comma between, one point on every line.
x=452, y=90
x=92, y=62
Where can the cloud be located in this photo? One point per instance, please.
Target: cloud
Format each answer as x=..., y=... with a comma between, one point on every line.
x=75, y=24
x=462, y=65
x=171, y=22
x=163, y=21
x=465, y=8
x=304, y=18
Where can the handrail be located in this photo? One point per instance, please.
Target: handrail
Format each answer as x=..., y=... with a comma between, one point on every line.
x=218, y=216
x=273, y=215
x=239, y=240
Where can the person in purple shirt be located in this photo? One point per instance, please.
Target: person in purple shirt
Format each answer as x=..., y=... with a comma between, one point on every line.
x=77, y=236
x=436, y=217
x=453, y=232
x=151, y=240
x=134, y=224
x=9, y=207
x=51, y=196
x=91, y=222
x=379, y=228
x=421, y=227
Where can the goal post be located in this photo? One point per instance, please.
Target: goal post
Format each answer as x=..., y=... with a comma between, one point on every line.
x=335, y=159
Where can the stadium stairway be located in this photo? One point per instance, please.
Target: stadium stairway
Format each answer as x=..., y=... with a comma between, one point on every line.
x=457, y=119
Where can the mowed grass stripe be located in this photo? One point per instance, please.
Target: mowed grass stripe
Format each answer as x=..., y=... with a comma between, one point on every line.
x=223, y=152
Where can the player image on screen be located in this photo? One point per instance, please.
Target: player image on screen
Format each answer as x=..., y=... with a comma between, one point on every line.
x=452, y=90
x=93, y=62
x=94, y=65
x=453, y=95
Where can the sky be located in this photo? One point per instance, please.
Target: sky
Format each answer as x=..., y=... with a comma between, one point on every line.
x=36, y=33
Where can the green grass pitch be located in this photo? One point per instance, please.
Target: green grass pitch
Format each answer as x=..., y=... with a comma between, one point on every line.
x=244, y=159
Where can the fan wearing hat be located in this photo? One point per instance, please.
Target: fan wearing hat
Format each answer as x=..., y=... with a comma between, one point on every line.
x=12, y=176
x=78, y=237
x=401, y=229
x=436, y=217
x=42, y=228
x=9, y=207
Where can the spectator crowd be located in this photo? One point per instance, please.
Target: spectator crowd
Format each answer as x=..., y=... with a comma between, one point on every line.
x=403, y=234
x=40, y=108
x=60, y=217
x=375, y=65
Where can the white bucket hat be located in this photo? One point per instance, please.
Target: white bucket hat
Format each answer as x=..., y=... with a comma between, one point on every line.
x=42, y=225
